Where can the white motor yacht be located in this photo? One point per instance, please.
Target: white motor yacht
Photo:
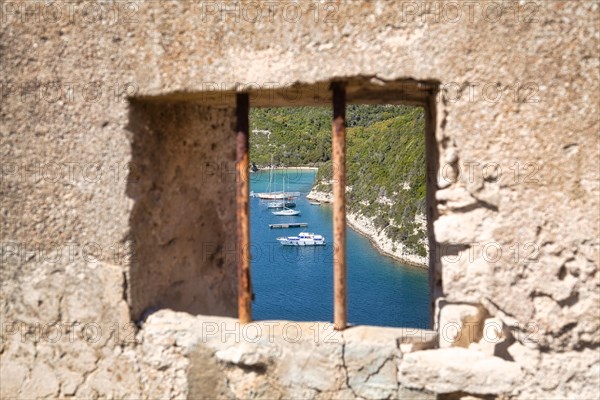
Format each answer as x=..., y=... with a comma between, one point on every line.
x=303, y=239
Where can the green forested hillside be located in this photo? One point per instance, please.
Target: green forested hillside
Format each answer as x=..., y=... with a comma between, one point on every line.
x=299, y=136
x=386, y=159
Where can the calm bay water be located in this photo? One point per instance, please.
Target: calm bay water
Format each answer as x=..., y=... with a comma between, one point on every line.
x=296, y=283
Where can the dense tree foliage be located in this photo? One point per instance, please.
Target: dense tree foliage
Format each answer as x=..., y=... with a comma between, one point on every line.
x=386, y=159
x=297, y=136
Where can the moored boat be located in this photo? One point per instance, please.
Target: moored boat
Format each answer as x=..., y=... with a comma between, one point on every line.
x=286, y=212
x=281, y=204
x=303, y=239
x=272, y=194
x=278, y=195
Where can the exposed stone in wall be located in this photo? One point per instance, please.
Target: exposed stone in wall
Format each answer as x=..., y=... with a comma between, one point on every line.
x=454, y=370
x=282, y=359
x=273, y=359
x=460, y=324
x=67, y=332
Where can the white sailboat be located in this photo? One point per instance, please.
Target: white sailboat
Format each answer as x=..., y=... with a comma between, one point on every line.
x=280, y=203
x=286, y=211
x=270, y=194
x=278, y=196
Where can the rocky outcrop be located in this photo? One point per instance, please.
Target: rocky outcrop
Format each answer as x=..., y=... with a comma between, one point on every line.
x=383, y=243
x=378, y=238
x=323, y=197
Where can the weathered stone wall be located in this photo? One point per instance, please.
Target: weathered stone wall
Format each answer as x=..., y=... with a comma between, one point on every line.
x=518, y=90
x=276, y=359
x=183, y=184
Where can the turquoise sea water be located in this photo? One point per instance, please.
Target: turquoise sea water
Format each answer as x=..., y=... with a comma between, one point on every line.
x=296, y=283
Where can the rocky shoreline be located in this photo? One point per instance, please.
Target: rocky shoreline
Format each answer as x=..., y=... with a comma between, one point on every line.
x=379, y=240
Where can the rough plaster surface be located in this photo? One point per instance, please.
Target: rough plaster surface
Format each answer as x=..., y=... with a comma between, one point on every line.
x=68, y=212
x=184, y=213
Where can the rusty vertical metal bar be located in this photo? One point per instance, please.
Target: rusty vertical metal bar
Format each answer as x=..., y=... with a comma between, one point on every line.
x=340, y=311
x=242, y=209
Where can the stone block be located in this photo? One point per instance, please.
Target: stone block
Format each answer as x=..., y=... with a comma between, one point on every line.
x=459, y=325
x=458, y=370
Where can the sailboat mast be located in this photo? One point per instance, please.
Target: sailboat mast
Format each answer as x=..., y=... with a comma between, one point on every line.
x=270, y=174
x=283, y=193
